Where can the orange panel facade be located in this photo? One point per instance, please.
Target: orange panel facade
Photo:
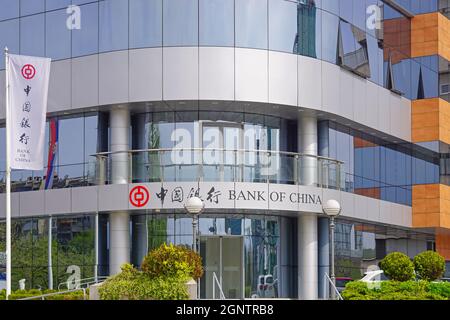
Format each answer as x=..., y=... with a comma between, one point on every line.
x=430, y=35
x=431, y=206
x=430, y=120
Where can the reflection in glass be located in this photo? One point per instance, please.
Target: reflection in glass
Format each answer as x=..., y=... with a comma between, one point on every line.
x=85, y=39
x=353, y=49
x=251, y=24
x=113, y=25
x=180, y=22
x=145, y=23
x=57, y=36
x=216, y=23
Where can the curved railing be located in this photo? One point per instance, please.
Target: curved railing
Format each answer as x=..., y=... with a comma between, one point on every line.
x=220, y=165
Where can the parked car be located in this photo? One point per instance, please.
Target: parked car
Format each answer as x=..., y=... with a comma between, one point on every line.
x=341, y=282
x=266, y=286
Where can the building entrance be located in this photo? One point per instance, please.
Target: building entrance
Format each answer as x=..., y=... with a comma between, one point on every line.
x=222, y=256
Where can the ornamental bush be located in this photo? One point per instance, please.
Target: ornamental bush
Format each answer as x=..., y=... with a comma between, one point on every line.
x=132, y=284
x=172, y=261
x=429, y=265
x=21, y=294
x=395, y=290
x=397, y=266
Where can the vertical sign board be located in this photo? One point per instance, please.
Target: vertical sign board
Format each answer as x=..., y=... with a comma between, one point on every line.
x=28, y=92
x=27, y=81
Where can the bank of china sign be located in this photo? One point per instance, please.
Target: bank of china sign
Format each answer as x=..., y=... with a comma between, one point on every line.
x=226, y=195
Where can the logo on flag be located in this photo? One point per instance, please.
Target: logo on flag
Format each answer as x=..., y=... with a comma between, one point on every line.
x=28, y=71
x=28, y=84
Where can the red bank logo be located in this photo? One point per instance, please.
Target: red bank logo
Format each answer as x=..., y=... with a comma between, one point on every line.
x=28, y=71
x=139, y=196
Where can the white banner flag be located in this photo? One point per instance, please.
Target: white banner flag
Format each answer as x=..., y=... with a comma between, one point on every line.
x=28, y=81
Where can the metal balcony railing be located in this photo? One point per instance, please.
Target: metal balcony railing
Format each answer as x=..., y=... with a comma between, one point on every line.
x=223, y=165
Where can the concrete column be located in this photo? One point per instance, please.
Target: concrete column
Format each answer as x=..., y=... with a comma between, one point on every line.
x=307, y=223
x=119, y=222
x=323, y=223
x=324, y=255
x=307, y=257
x=307, y=140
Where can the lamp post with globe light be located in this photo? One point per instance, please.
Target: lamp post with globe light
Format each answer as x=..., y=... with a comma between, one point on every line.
x=194, y=206
x=332, y=209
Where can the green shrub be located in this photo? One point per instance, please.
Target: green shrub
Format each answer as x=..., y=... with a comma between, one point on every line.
x=398, y=267
x=132, y=284
x=22, y=294
x=172, y=261
x=429, y=265
x=396, y=290
x=440, y=288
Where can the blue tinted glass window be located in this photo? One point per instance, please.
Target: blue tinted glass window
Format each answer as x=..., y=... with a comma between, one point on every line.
x=402, y=76
x=251, y=24
x=359, y=14
x=180, y=22
x=10, y=9
x=78, y=2
x=145, y=23
x=85, y=39
x=346, y=10
x=331, y=6
x=216, y=22
x=58, y=36
x=284, y=31
x=56, y=4
x=390, y=13
x=32, y=35
x=423, y=6
x=70, y=145
x=372, y=15
x=113, y=25
x=9, y=37
x=375, y=60
x=310, y=30
x=430, y=82
x=330, y=27
x=31, y=6
x=417, y=90
x=90, y=137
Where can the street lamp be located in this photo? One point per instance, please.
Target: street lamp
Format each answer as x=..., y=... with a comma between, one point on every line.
x=194, y=206
x=332, y=209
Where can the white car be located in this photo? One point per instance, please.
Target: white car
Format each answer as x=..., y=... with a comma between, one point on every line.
x=266, y=286
x=374, y=276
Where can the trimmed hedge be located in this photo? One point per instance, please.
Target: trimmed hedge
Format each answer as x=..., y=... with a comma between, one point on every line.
x=21, y=294
x=395, y=290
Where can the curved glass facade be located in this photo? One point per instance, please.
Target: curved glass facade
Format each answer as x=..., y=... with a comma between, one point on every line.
x=340, y=32
x=371, y=167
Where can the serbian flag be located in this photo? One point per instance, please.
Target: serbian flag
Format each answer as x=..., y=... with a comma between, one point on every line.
x=51, y=153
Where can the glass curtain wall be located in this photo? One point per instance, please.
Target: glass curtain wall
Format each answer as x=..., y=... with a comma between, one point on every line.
x=343, y=32
x=72, y=245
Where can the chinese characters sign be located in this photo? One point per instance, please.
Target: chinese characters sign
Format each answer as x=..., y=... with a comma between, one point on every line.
x=28, y=80
x=226, y=195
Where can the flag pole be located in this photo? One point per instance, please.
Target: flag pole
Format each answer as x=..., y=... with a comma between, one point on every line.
x=8, y=183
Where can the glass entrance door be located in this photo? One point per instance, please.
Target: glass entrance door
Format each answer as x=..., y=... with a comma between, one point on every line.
x=222, y=256
x=220, y=158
